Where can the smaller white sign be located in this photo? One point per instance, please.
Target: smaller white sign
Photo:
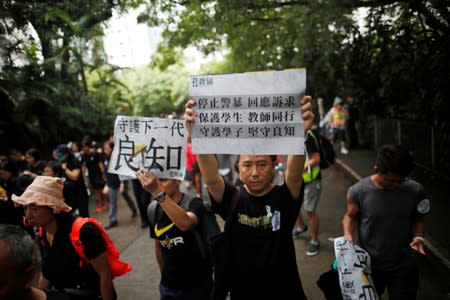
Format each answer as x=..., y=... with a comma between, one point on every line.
x=354, y=271
x=149, y=143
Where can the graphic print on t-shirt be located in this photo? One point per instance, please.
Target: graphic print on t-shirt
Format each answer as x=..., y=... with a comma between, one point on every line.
x=269, y=220
x=159, y=232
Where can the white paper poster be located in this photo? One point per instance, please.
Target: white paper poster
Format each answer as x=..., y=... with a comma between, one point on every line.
x=248, y=113
x=354, y=271
x=150, y=143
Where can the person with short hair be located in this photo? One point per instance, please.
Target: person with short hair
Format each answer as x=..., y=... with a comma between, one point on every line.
x=72, y=172
x=185, y=272
x=388, y=209
x=35, y=165
x=312, y=179
x=258, y=231
x=18, y=264
x=92, y=161
x=337, y=119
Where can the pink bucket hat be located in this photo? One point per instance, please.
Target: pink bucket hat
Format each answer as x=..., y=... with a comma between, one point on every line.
x=44, y=191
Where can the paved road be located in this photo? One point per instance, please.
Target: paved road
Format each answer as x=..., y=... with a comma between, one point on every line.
x=138, y=249
x=142, y=283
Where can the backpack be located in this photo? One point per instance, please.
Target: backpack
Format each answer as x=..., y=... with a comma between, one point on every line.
x=326, y=150
x=118, y=268
x=208, y=226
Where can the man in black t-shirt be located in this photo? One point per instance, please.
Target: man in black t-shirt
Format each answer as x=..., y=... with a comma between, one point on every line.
x=262, y=261
x=185, y=272
x=93, y=162
x=72, y=171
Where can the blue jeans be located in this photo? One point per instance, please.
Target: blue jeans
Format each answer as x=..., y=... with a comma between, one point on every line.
x=198, y=293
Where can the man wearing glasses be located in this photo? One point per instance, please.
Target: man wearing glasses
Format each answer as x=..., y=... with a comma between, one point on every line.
x=388, y=210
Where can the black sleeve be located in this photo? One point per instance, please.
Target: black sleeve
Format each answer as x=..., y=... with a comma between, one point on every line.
x=223, y=208
x=92, y=240
x=311, y=143
x=196, y=206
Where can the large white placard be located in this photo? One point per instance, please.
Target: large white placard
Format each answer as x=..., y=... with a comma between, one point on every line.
x=354, y=271
x=248, y=113
x=150, y=143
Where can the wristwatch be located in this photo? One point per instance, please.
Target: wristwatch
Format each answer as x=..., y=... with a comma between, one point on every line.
x=160, y=197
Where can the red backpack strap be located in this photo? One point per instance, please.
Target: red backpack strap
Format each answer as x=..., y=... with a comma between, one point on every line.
x=40, y=233
x=75, y=238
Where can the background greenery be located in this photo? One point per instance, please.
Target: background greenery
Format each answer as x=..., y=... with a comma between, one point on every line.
x=57, y=85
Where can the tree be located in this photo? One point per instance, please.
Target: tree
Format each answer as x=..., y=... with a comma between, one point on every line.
x=44, y=94
x=396, y=65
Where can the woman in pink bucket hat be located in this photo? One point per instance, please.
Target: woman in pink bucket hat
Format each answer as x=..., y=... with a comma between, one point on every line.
x=44, y=207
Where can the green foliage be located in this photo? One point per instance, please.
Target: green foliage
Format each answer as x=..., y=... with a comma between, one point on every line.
x=396, y=66
x=156, y=93
x=44, y=95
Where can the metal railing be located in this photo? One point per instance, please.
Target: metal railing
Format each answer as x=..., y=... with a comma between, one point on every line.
x=430, y=145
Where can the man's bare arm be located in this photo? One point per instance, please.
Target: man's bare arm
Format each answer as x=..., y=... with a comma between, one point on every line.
x=208, y=164
x=349, y=220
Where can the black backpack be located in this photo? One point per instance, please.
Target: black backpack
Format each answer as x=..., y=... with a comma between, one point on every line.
x=326, y=150
x=208, y=226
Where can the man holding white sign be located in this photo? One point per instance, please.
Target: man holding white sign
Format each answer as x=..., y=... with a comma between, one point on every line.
x=261, y=216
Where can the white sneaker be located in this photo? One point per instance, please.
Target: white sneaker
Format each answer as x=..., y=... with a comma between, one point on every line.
x=344, y=151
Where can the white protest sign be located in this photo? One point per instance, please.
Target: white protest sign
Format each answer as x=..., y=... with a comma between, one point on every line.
x=248, y=113
x=150, y=143
x=354, y=271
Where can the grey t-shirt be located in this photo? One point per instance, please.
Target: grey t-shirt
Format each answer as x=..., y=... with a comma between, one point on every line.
x=385, y=219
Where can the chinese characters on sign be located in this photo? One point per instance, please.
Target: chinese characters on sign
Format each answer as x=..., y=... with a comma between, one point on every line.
x=248, y=113
x=149, y=143
x=354, y=271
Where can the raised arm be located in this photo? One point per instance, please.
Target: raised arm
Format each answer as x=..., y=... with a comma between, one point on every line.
x=183, y=220
x=208, y=164
x=295, y=163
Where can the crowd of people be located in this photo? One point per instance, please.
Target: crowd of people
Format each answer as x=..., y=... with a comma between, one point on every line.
x=41, y=200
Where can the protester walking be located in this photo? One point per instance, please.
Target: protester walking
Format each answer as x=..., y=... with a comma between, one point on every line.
x=185, y=272
x=114, y=185
x=262, y=262
x=72, y=171
x=388, y=209
x=312, y=179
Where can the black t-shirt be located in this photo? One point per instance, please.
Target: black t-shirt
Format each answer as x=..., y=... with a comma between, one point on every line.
x=79, y=188
x=61, y=263
x=263, y=261
x=37, y=169
x=9, y=212
x=92, y=161
x=112, y=179
x=184, y=266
